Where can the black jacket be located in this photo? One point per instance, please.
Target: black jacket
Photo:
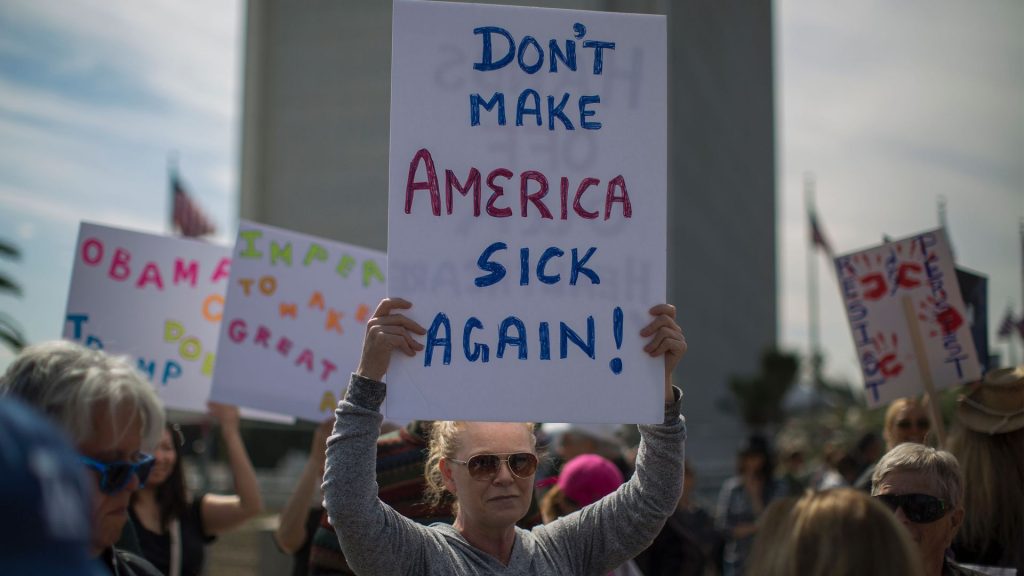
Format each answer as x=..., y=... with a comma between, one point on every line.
x=123, y=563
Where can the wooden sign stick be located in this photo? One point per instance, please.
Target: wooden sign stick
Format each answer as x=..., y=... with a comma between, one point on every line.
x=925, y=371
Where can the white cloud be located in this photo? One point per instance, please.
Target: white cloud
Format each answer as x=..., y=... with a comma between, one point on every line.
x=68, y=216
x=42, y=109
x=183, y=50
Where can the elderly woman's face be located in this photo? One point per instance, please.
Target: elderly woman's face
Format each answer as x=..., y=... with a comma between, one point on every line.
x=932, y=538
x=501, y=500
x=110, y=444
x=911, y=424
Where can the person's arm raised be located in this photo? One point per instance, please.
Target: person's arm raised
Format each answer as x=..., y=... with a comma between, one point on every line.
x=224, y=512
x=386, y=332
x=622, y=524
x=368, y=530
x=291, y=527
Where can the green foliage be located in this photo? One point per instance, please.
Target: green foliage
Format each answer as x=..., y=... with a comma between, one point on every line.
x=10, y=333
x=760, y=396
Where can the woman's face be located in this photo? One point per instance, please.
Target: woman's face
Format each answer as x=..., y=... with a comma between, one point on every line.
x=497, y=502
x=116, y=437
x=911, y=424
x=753, y=462
x=165, y=458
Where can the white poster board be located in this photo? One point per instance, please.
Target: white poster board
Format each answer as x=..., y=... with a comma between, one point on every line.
x=895, y=293
x=526, y=213
x=294, y=321
x=156, y=299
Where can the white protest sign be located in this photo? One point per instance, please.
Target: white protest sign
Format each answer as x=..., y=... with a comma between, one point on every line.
x=293, y=324
x=900, y=292
x=526, y=213
x=154, y=298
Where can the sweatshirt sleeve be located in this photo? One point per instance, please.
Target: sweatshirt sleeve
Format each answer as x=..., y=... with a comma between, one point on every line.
x=616, y=528
x=368, y=530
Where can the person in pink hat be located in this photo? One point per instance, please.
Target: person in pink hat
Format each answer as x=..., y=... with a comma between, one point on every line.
x=584, y=480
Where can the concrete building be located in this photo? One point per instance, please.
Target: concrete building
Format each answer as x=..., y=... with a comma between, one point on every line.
x=315, y=134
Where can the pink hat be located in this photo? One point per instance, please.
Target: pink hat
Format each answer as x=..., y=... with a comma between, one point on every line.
x=587, y=478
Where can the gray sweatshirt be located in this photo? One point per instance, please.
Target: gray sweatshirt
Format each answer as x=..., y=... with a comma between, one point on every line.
x=377, y=540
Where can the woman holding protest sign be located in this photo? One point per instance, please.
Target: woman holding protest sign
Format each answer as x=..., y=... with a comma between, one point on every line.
x=489, y=468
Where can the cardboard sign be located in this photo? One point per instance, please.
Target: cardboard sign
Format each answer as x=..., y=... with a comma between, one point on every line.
x=908, y=320
x=294, y=321
x=154, y=298
x=527, y=198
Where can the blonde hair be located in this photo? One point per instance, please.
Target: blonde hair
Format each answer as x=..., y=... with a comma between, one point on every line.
x=555, y=504
x=841, y=532
x=993, y=467
x=445, y=441
x=897, y=406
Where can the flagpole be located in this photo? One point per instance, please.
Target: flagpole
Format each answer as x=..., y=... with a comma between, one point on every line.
x=1020, y=320
x=172, y=175
x=812, y=288
x=941, y=201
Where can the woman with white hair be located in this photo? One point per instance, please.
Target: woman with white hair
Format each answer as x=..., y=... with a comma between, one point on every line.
x=113, y=418
x=924, y=488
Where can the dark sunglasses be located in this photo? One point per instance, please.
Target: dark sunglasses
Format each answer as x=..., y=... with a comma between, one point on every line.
x=486, y=466
x=918, y=508
x=114, y=476
x=922, y=424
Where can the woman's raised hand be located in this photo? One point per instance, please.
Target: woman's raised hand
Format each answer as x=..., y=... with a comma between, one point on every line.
x=666, y=340
x=388, y=330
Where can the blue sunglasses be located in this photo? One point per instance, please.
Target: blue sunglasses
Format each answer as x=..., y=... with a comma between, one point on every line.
x=114, y=476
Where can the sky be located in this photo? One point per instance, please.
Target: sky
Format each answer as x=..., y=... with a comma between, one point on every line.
x=892, y=107
x=96, y=96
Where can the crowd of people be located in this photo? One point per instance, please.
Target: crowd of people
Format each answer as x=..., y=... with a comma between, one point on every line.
x=95, y=476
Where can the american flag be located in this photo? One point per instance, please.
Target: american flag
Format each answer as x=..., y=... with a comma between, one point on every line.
x=818, y=236
x=1007, y=326
x=188, y=217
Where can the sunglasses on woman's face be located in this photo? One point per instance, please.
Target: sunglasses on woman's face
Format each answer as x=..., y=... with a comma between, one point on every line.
x=907, y=424
x=486, y=466
x=114, y=476
x=918, y=508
